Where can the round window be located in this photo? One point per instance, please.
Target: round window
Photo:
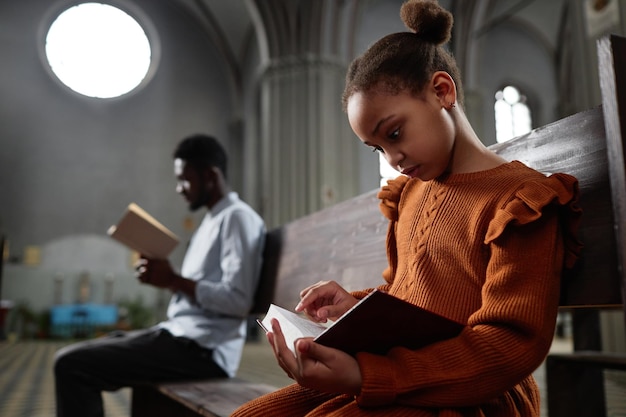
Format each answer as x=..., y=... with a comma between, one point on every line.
x=98, y=50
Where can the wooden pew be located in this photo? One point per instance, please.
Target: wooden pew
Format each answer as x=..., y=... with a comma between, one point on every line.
x=575, y=382
x=346, y=243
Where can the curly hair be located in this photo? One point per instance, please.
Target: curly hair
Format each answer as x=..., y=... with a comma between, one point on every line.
x=407, y=60
x=202, y=151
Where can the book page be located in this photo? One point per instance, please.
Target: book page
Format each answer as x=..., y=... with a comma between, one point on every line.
x=293, y=325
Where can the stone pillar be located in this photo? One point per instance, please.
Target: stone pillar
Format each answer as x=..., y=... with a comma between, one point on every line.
x=58, y=288
x=109, y=282
x=308, y=153
x=84, y=288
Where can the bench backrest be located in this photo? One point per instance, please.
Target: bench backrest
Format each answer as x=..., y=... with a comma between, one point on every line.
x=576, y=145
x=612, y=74
x=346, y=242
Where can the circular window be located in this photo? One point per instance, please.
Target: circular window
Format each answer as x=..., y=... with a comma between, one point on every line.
x=98, y=50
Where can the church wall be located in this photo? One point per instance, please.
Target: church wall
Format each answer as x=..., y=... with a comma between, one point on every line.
x=69, y=164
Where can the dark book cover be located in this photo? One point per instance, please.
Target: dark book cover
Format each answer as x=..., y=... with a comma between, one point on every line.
x=381, y=321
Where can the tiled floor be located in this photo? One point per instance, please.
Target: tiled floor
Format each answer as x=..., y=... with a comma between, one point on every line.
x=27, y=386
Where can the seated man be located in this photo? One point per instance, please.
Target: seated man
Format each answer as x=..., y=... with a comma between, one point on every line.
x=206, y=324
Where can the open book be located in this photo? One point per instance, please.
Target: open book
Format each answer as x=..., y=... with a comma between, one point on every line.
x=143, y=233
x=375, y=324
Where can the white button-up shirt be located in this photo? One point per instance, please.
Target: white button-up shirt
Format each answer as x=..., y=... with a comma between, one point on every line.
x=224, y=257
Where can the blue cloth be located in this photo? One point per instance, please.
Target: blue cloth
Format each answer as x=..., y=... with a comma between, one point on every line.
x=66, y=319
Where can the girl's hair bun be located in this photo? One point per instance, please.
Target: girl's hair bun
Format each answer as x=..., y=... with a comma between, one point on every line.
x=428, y=20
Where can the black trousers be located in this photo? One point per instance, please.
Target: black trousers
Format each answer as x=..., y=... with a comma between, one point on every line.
x=124, y=359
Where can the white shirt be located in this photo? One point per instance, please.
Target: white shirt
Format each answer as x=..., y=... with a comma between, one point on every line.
x=224, y=257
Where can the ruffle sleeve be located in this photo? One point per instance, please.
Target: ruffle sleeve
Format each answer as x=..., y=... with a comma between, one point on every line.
x=389, y=196
x=529, y=202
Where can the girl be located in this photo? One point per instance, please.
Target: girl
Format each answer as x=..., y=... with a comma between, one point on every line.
x=471, y=236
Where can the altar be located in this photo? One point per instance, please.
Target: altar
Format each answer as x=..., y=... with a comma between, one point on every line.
x=81, y=320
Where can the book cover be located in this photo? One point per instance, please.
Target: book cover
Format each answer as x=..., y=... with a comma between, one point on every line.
x=142, y=233
x=375, y=324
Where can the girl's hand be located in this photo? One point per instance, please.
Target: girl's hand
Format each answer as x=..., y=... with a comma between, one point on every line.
x=325, y=300
x=315, y=366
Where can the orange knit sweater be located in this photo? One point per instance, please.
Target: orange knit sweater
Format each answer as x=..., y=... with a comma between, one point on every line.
x=486, y=249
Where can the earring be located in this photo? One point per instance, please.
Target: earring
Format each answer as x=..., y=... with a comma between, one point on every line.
x=452, y=105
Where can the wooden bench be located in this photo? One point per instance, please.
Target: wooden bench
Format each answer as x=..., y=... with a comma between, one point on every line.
x=346, y=243
x=575, y=382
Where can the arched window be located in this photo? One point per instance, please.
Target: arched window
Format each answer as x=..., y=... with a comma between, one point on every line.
x=98, y=50
x=513, y=116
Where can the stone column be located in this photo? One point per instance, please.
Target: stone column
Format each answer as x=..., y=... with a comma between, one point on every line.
x=308, y=153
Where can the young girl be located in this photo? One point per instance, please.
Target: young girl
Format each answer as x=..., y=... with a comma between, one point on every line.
x=471, y=236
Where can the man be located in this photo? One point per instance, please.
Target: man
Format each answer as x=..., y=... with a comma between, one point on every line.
x=205, y=330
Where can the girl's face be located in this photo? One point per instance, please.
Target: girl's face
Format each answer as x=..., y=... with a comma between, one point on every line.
x=415, y=134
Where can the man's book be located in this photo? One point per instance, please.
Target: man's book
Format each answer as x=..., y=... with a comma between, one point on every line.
x=142, y=233
x=375, y=324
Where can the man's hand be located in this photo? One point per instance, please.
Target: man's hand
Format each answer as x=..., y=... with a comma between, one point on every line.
x=316, y=366
x=325, y=300
x=155, y=272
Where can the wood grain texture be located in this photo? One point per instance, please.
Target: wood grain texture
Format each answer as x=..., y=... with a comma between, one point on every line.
x=576, y=382
x=612, y=74
x=216, y=398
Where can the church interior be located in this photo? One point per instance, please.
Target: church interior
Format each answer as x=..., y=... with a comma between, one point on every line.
x=265, y=77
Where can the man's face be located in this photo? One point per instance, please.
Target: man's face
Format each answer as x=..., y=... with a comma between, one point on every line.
x=191, y=183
